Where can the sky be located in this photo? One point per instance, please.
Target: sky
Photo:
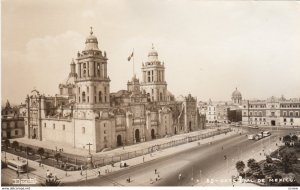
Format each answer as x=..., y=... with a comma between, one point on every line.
x=209, y=47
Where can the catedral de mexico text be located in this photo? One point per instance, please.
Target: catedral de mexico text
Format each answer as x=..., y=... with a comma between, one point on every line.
x=85, y=111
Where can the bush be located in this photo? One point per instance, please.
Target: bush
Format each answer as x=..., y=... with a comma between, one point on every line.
x=15, y=145
x=269, y=159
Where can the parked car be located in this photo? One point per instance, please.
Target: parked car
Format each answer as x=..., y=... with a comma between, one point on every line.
x=251, y=137
x=266, y=133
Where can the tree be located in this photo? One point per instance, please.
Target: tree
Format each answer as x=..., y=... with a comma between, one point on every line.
x=288, y=159
x=15, y=145
x=287, y=139
x=41, y=152
x=250, y=162
x=240, y=166
x=57, y=156
x=51, y=182
x=6, y=143
x=294, y=138
x=269, y=159
x=269, y=170
x=28, y=149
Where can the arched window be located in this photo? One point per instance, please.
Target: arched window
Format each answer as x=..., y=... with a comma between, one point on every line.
x=98, y=69
x=100, y=96
x=83, y=96
x=161, y=98
x=84, y=69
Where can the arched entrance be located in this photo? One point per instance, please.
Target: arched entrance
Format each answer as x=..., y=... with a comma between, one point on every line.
x=137, y=135
x=190, y=126
x=34, y=133
x=119, y=140
x=152, y=134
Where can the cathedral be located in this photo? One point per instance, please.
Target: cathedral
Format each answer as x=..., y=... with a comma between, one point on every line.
x=86, y=112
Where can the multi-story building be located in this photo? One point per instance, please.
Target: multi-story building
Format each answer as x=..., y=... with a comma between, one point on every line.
x=12, y=121
x=224, y=111
x=86, y=111
x=273, y=111
x=211, y=116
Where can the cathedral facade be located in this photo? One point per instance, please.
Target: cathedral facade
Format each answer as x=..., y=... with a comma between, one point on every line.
x=86, y=112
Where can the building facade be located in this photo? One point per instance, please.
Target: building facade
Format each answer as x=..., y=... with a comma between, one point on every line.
x=85, y=111
x=272, y=112
x=12, y=121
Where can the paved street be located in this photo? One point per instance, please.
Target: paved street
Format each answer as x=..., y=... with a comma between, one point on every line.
x=208, y=158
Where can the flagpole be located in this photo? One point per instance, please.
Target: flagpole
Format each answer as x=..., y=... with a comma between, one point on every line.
x=133, y=63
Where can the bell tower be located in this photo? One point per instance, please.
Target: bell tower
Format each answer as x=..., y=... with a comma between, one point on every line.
x=153, y=81
x=92, y=82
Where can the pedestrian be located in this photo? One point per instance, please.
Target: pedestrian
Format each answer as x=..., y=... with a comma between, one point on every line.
x=179, y=176
x=99, y=173
x=81, y=172
x=143, y=159
x=155, y=171
x=225, y=157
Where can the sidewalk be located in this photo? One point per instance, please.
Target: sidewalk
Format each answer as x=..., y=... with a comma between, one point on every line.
x=93, y=173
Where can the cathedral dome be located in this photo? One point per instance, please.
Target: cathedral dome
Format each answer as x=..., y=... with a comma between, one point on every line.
x=236, y=93
x=91, y=42
x=152, y=55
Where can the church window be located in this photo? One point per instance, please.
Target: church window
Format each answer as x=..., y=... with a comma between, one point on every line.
x=98, y=69
x=79, y=99
x=104, y=90
x=84, y=69
x=88, y=99
x=104, y=98
x=88, y=89
x=291, y=114
x=284, y=113
x=297, y=114
x=160, y=97
x=104, y=131
x=149, y=76
x=152, y=75
x=95, y=99
x=100, y=96
x=83, y=96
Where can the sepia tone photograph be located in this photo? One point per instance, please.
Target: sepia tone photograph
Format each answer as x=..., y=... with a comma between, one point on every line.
x=150, y=93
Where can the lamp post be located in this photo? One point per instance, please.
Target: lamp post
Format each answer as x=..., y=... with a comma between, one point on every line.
x=27, y=161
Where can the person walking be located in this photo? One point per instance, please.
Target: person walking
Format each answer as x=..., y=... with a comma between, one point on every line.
x=143, y=159
x=179, y=176
x=155, y=171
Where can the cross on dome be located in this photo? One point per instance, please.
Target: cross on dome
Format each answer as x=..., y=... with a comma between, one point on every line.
x=91, y=30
